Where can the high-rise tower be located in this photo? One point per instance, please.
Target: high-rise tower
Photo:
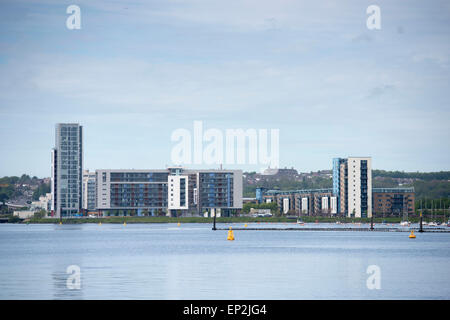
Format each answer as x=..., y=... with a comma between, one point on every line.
x=352, y=185
x=67, y=169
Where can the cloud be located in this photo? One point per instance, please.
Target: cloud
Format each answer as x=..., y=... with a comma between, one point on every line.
x=311, y=69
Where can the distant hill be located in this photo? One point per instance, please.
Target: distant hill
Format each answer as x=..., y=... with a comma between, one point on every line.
x=428, y=185
x=427, y=176
x=23, y=189
x=286, y=180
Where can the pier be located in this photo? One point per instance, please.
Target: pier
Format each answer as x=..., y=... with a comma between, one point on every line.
x=435, y=230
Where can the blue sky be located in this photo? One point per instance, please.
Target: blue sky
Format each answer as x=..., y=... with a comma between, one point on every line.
x=137, y=71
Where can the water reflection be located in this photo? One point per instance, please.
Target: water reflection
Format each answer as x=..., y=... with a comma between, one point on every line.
x=65, y=255
x=60, y=288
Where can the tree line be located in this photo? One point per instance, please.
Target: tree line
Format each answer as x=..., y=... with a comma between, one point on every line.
x=427, y=176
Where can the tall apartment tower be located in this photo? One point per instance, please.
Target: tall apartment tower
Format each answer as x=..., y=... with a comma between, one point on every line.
x=352, y=185
x=67, y=170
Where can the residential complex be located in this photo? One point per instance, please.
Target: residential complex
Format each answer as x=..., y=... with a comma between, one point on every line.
x=173, y=191
x=393, y=201
x=315, y=202
x=177, y=191
x=351, y=195
x=67, y=166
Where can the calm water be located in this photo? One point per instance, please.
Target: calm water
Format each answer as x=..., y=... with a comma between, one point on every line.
x=164, y=261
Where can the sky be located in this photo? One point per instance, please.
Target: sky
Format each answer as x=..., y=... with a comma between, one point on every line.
x=137, y=71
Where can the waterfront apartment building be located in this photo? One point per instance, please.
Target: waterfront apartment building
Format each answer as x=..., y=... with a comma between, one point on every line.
x=352, y=186
x=397, y=202
x=393, y=201
x=89, y=191
x=313, y=202
x=67, y=168
x=174, y=191
x=351, y=195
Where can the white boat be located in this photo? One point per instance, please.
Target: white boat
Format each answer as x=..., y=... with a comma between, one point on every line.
x=432, y=224
x=404, y=223
x=300, y=222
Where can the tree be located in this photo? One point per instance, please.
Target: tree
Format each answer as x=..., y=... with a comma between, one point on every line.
x=6, y=192
x=40, y=214
x=24, y=179
x=13, y=219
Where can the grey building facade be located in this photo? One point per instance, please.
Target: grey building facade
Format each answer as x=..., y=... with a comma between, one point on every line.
x=67, y=168
x=89, y=191
x=173, y=191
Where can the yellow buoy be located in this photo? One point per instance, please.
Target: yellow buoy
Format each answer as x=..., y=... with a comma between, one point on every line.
x=124, y=223
x=230, y=234
x=60, y=222
x=179, y=224
x=412, y=235
x=245, y=225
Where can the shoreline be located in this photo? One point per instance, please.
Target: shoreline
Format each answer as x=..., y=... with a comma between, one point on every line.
x=130, y=219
